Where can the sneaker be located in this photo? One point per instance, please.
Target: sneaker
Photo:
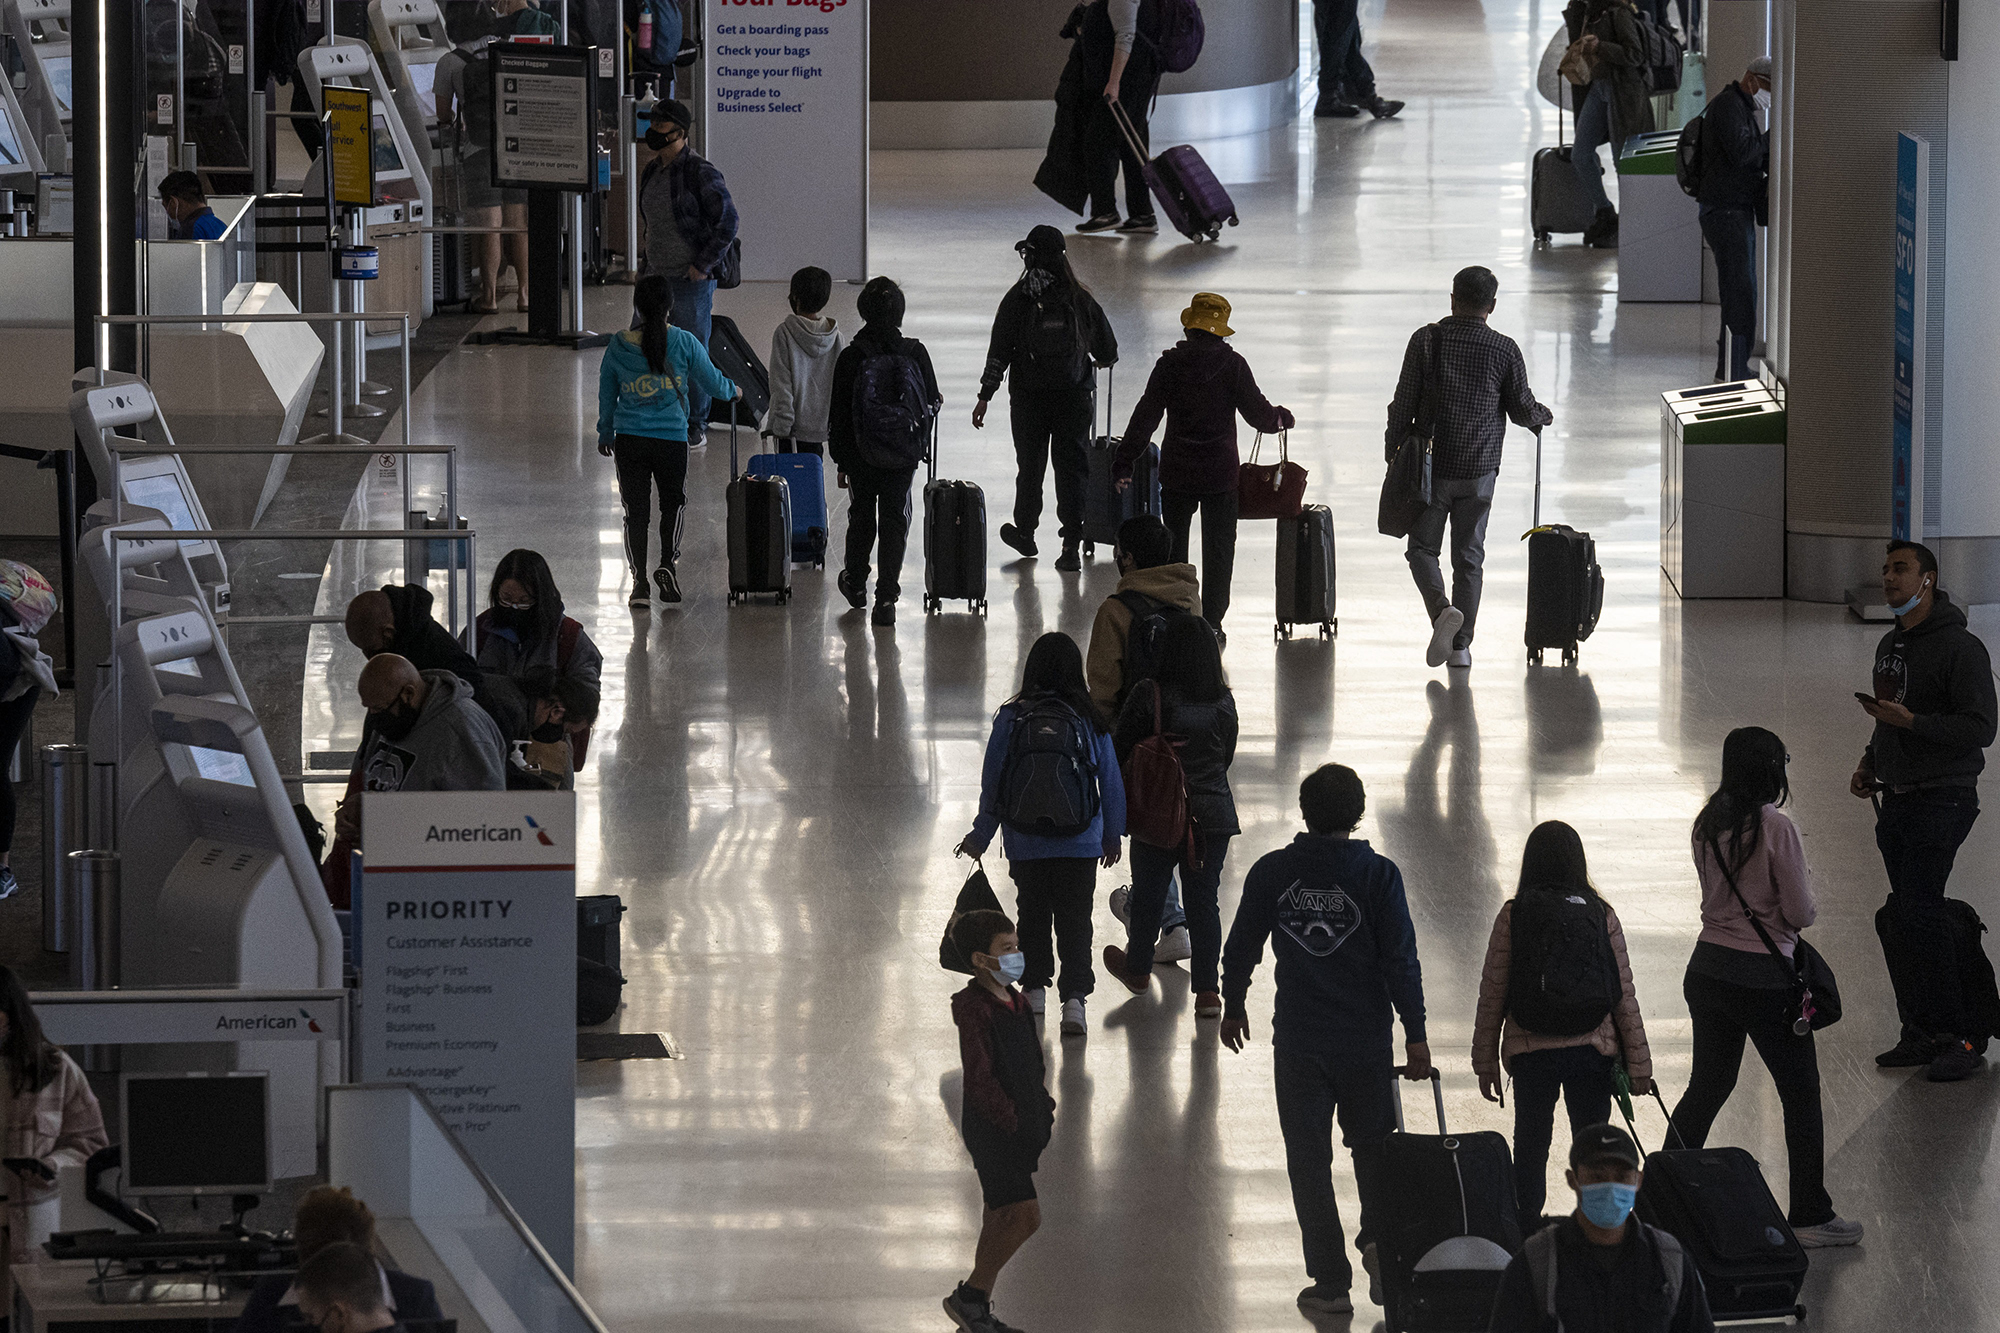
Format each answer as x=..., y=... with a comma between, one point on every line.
x=1443, y=630
x=9, y=886
x=1121, y=904
x=1140, y=224
x=1114, y=963
x=668, y=586
x=1383, y=109
x=1335, y=111
x=1038, y=998
x=639, y=599
x=1208, y=1004
x=1909, y=1053
x=1954, y=1062
x=1174, y=947
x=884, y=614
x=1024, y=542
x=1828, y=1234
x=994, y=1322
x=970, y=1310
x=1371, y=1263
x=853, y=590
x=1072, y=1017
x=1322, y=1299
x=1221, y=636
x=1069, y=562
x=1603, y=229
x=1460, y=658
x=1102, y=222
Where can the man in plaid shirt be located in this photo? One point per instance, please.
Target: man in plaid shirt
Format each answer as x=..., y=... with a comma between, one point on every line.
x=1481, y=384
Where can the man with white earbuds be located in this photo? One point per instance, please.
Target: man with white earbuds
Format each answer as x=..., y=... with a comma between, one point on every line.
x=1602, y=1269
x=1934, y=710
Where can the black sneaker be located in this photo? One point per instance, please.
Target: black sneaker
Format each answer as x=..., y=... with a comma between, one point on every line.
x=666, y=584
x=1382, y=108
x=9, y=886
x=1024, y=542
x=884, y=614
x=1909, y=1053
x=1954, y=1062
x=1335, y=111
x=1102, y=222
x=855, y=592
x=1069, y=562
x=639, y=599
x=1603, y=229
x=970, y=1310
x=1140, y=224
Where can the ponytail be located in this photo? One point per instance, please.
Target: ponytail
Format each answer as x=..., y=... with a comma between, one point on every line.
x=653, y=299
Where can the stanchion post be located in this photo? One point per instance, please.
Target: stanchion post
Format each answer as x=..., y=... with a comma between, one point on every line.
x=65, y=828
x=94, y=959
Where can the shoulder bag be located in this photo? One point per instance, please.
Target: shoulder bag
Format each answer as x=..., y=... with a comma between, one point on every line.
x=1156, y=799
x=1270, y=490
x=1406, y=490
x=1815, y=1001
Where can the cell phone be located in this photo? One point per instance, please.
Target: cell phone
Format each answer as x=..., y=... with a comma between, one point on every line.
x=1866, y=698
x=28, y=1166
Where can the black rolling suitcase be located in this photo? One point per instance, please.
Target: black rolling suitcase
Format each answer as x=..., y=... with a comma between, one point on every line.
x=1305, y=573
x=1915, y=934
x=954, y=541
x=597, y=927
x=1450, y=1225
x=736, y=358
x=1565, y=583
x=1556, y=200
x=1105, y=507
x=760, y=533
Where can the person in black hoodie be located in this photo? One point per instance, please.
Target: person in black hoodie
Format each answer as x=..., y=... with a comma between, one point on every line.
x=1050, y=333
x=396, y=618
x=1934, y=710
x=1346, y=955
x=885, y=397
x=1735, y=161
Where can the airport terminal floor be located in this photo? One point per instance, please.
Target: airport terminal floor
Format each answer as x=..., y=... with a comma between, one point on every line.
x=776, y=791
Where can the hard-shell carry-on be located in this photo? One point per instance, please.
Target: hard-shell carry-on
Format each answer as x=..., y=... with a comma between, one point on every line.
x=1105, y=507
x=1449, y=1224
x=1305, y=573
x=1556, y=199
x=805, y=475
x=1715, y=1202
x=1565, y=584
x=760, y=533
x=738, y=361
x=954, y=540
x=1189, y=194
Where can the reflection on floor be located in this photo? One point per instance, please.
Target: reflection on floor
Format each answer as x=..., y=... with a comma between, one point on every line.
x=775, y=792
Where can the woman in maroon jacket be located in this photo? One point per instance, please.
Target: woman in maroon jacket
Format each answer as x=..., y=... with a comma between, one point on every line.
x=1200, y=384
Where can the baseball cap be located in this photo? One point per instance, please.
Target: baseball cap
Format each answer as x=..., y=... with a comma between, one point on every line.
x=1603, y=1143
x=1761, y=67
x=1045, y=240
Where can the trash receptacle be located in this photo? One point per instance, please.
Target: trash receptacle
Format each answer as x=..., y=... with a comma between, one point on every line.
x=1659, y=228
x=1722, y=491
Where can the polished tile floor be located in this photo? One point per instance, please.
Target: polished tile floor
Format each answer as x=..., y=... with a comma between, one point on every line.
x=775, y=792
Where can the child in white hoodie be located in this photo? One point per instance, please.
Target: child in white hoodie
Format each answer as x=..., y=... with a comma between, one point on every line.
x=803, y=350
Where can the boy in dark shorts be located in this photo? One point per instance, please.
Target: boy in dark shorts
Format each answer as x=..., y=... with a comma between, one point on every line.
x=1008, y=1110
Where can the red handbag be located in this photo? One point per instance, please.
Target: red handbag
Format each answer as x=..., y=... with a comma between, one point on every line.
x=1265, y=490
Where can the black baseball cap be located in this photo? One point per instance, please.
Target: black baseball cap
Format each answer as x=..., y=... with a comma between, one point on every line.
x=1045, y=240
x=667, y=112
x=1604, y=1143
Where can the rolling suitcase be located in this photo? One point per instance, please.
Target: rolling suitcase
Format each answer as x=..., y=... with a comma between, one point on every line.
x=954, y=541
x=1450, y=1226
x=760, y=533
x=1305, y=573
x=1565, y=583
x=1915, y=934
x=597, y=928
x=736, y=358
x=805, y=476
x=1715, y=1202
x=1188, y=192
x=1105, y=507
x=1556, y=200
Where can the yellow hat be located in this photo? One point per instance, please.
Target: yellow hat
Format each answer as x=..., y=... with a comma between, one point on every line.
x=1207, y=311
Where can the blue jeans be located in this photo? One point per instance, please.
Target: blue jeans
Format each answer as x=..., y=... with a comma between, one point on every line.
x=1732, y=235
x=1466, y=503
x=694, y=308
x=1313, y=1088
x=1581, y=1076
x=1152, y=876
x=1593, y=131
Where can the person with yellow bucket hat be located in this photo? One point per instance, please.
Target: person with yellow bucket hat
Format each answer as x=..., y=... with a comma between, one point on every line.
x=1200, y=385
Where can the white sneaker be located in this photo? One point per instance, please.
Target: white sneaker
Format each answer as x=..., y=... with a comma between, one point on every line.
x=1121, y=904
x=1828, y=1234
x=1038, y=998
x=1460, y=657
x=1174, y=947
x=1072, y=1017
x=1443, y=630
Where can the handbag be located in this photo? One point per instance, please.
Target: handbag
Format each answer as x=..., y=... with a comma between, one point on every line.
x=1406, y=489
x=729, y=269
x=1267, y=490
x=975, y=896
x=1815, y=995
x=1575, y=66
x=1156, y=799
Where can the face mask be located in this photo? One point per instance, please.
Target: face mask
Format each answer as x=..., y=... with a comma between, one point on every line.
x=1911, y=605
x=395, y=721
x=1013, y=966
x=655, y=140
x=1607, y=1204
x=1763, y=100
x=548, y=731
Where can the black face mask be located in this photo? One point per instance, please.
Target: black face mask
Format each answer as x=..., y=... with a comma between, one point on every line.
x=655, y=140
x=548, y=731
x=520, y=620
x=395, y=721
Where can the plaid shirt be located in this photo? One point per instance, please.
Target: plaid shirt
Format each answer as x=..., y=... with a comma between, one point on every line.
x=1483, y=377
x=704, y=212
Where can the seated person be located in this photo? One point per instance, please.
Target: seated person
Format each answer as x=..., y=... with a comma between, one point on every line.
x=187, y=208
x=329, y=1218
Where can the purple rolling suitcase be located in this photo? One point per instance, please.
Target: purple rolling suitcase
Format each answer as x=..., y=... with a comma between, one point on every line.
x=1189, y=194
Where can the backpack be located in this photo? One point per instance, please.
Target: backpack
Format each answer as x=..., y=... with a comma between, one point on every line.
x=667, y=26
x=1156, y=796
x=1048, y=786
x=1151, y=618
x=1662, y=50
x=1177, y=42
x=1687, y=156
x=1563, y=978
x=477, y=101
x=892, y=412
x=1054, y=340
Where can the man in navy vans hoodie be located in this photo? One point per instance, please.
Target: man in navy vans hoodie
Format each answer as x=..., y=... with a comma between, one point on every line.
x=1347, y=955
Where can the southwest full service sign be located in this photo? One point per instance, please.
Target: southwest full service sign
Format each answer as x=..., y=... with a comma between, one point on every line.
x=465, y=915
x=787, y=119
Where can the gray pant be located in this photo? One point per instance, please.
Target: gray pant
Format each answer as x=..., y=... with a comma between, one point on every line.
x=1466, y=502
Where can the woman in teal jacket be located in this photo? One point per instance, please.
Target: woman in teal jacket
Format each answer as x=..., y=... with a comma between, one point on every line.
x=642, y=422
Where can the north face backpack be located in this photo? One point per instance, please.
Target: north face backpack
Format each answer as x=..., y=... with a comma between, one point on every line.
x=892, y=413
x=1054, y=341
x=1181, y=32
x=1687, y=156
x=1048, y=786
x=1147, y=635
x=1563, y=976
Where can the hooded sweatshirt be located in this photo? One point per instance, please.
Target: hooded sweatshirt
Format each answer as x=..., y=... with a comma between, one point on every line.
x=428, y=645
x=803, y=354
x=1938, y=669
x=1173, y=584
x=453, y=747
x=632, y=399
x=1199, y=384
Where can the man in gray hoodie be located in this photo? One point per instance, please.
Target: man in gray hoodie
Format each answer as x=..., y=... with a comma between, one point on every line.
x=803, y=351
x=424, y=733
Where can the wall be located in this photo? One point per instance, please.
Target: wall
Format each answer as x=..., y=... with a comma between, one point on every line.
x=1970, y=499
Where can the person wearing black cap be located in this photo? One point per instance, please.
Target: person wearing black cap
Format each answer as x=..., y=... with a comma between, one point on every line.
x=689, y=221
x=1048, y=337
x=1601, y=1270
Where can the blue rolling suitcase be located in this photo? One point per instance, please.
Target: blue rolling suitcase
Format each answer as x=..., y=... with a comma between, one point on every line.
x=805, y=475
x=1105, y=507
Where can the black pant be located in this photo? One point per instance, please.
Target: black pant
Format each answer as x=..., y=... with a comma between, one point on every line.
x=880, y=499
x=1581, y=1076
x=14, y=715
x=1732, y=234
x=1152, y=875
x=1051, y=425
x=1218, y=543
x=1919, y=834
x=307, y=129
x=1723, y=1015
x=643, y=463
x=1058, y=891
x=1313, y=1088
x=1342, y=68
x=1104, y=145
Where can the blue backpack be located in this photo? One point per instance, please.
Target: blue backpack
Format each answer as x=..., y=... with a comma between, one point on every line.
x=892, y=411
x=667, y=28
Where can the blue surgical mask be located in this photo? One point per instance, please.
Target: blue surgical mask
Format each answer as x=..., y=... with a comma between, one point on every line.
x=1911, y=605
x=1608, y=1203
x=1013, y=966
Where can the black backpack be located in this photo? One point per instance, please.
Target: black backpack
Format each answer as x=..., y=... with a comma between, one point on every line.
x=1662, y=54
x=1563, y=978
x=1687, y=156
x=1053, y=341
x=1151, y=618
x=1048, y=786
x=892, y=417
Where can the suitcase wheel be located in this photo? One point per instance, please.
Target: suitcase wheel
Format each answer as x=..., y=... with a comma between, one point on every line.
x=1571, y=655
x=1280, y=631
x=732, y=599
x=1090, y=550
x=1542, y=239
x=982, y=608
x=1330, y=630
x=931, y=605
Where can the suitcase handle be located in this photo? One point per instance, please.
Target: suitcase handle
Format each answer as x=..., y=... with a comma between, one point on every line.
x=1109, y=371
x=1437, y=1091
x=733, y=473
x=1634, y=1127
x=1131, y=135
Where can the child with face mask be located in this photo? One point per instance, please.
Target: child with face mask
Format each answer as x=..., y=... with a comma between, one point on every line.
x=1008, y=1112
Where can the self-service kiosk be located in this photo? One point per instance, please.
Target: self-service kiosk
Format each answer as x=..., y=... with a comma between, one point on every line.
x=409, y=41
x=41, y=32
x=20, y=150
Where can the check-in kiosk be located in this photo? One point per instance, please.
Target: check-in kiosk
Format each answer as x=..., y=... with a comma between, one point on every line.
x=20, y=150
x=409, y=41
x=41, y=29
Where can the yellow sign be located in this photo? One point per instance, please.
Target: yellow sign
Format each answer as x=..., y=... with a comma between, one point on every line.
x=349, y=143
